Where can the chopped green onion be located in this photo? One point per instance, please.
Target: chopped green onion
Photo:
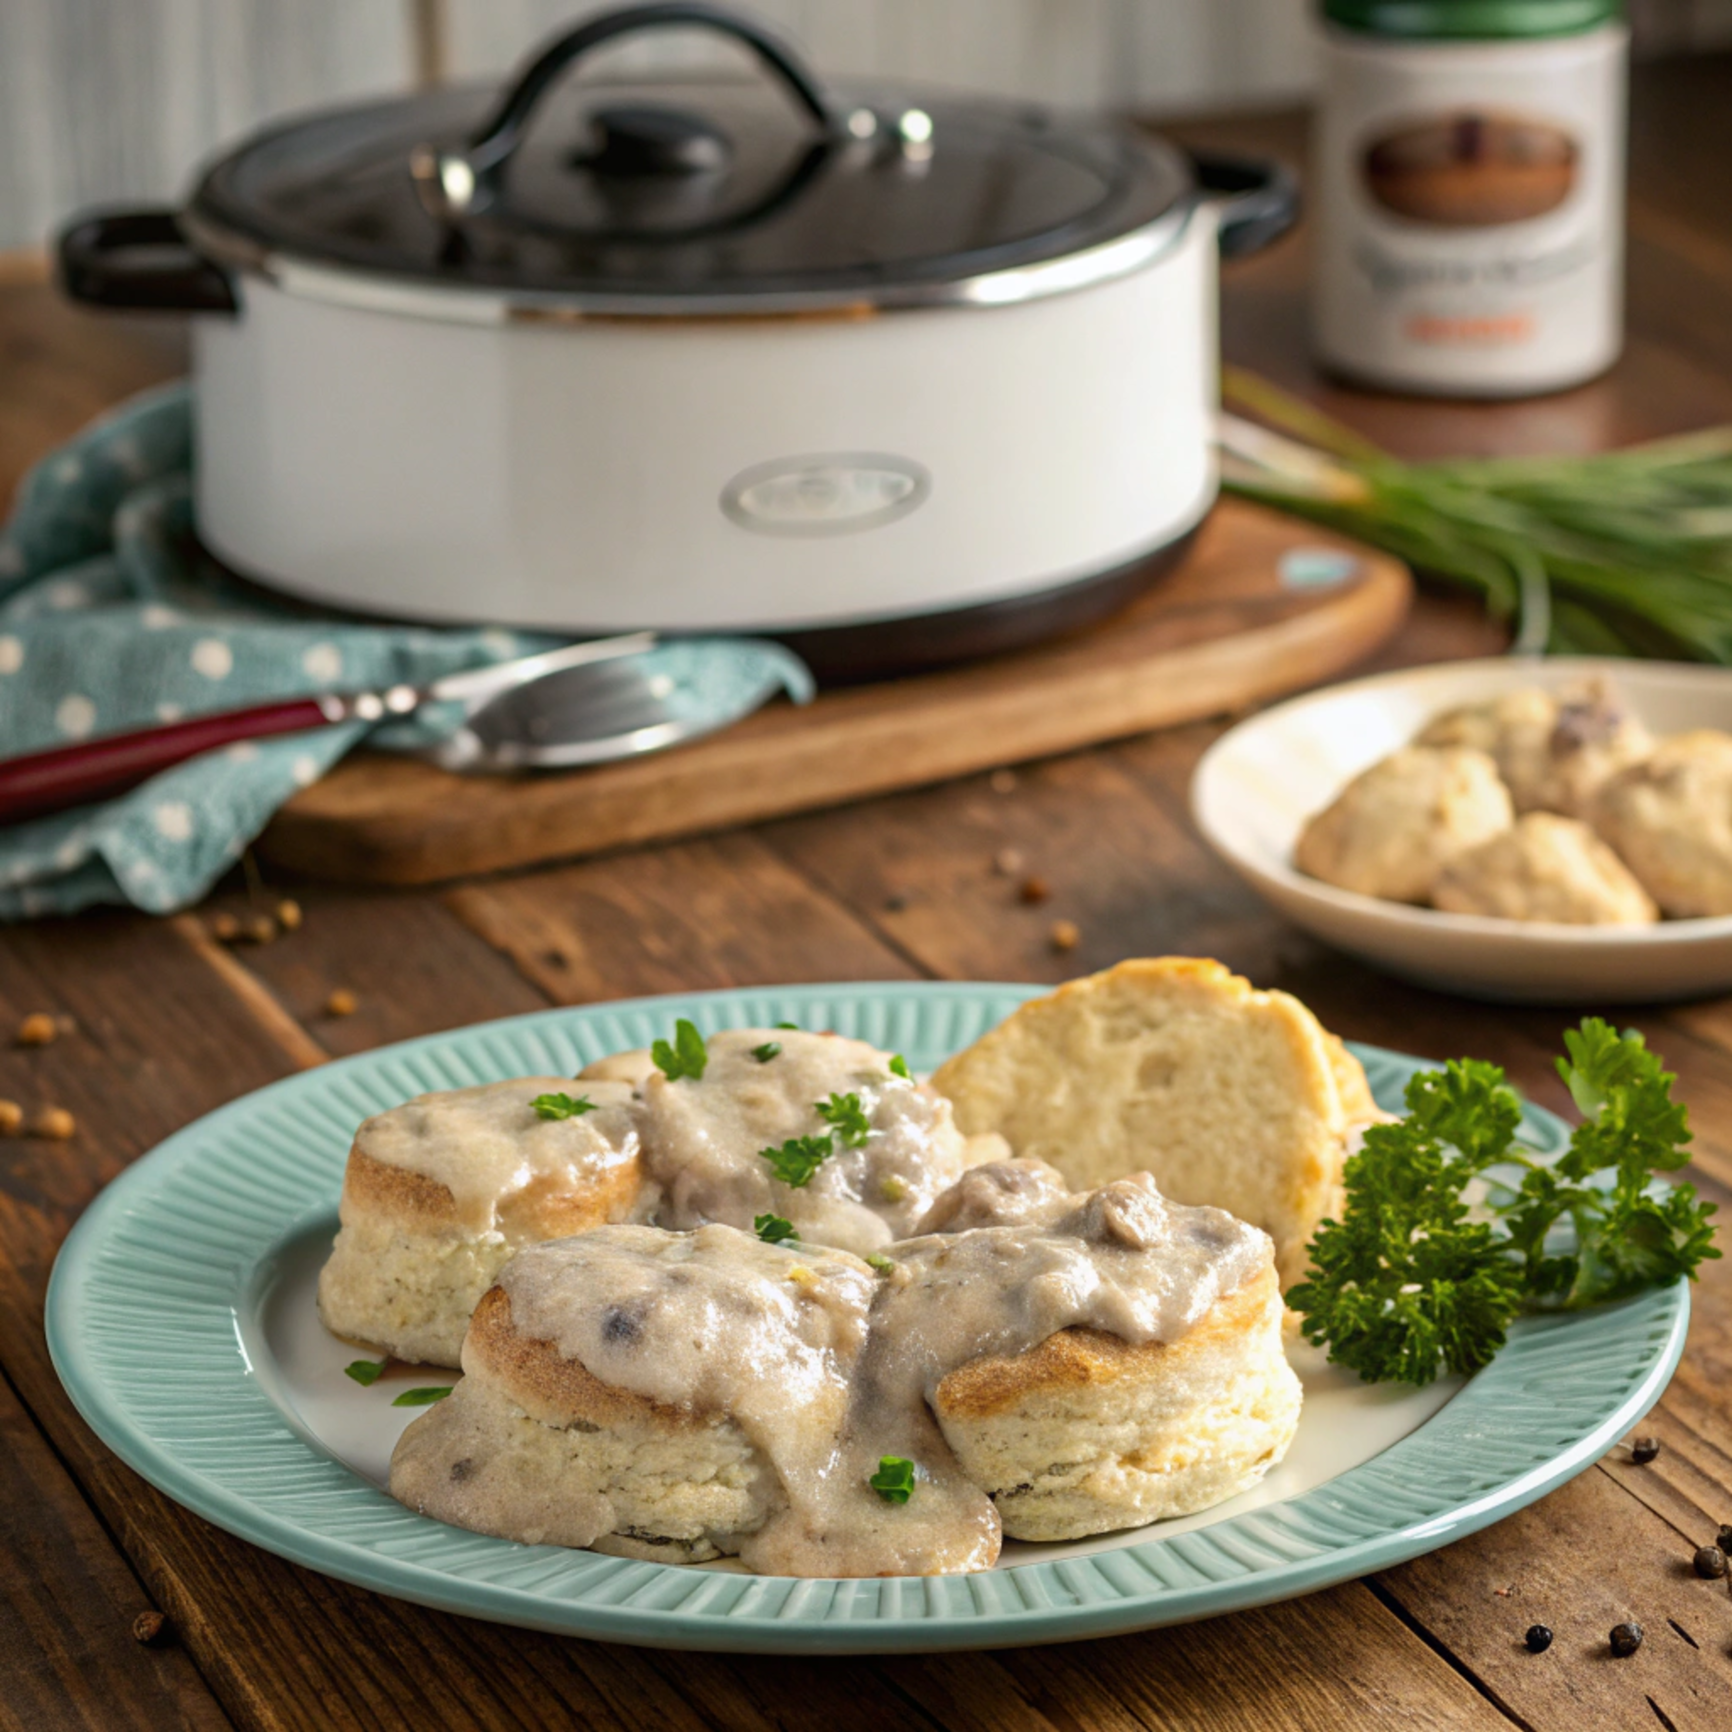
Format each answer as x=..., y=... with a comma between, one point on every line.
x=763, y=1054
x=877, y=1260
x=366, y=1372
x=899, y=1067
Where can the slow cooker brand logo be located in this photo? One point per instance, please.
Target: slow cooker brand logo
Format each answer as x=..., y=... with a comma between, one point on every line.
x=1472, y=169
x=832, y=494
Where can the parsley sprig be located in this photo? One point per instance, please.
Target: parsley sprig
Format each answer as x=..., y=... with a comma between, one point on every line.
x=686, y=1056
x=774, y=1229
x=847, y=1118
x=1413, y=1281
x=424, y=1397
x=799, y=1158
x=562, y=1106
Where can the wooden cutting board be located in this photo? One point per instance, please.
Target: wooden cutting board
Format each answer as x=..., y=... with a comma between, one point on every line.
x=1262, y=606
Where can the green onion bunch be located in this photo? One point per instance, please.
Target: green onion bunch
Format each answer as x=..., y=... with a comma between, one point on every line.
x=1626, y=553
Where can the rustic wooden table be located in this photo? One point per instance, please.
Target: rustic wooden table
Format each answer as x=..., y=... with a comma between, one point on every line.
x=170, y=1025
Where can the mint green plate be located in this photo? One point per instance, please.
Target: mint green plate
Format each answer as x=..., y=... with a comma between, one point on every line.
x=180, y=1320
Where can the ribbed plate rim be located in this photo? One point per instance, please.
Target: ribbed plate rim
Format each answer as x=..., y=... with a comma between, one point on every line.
x=1391, y=1508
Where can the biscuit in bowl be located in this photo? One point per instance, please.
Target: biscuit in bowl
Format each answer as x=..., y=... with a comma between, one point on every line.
x=1670, y=819
x=1553, y=750
x=1545, y=868
x=1174, y=1066
x=1395, y=825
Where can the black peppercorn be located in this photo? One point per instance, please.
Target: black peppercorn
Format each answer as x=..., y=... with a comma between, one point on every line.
x=1643, y=1450
x=1626, y=1639
x=1538, y=1638
x=1710, y=1563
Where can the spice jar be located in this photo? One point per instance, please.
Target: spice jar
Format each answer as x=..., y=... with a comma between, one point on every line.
x=1469, y=175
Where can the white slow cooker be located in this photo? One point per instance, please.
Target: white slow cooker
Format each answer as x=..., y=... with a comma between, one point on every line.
x=895, y=379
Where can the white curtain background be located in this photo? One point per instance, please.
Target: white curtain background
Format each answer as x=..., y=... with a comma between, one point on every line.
x=117, y=100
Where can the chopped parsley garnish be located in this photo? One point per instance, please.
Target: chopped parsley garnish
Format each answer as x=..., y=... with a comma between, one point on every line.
x=799, y=1158
x=366, y=1372
x=847, y=1118
x=423, y=1397
x=793, y=1025
x=763, y=1054
x=877, y=1260
x=562, y=1106
x=687, y=1056
x=899, y=1067
x=772, y=1229
x=1408, y=1284
x=894, y=1480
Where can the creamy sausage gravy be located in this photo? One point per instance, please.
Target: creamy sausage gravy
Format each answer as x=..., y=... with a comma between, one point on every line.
x=704, y=1140
x=488, y=1145
x=827, y=1365
x=701, y=1142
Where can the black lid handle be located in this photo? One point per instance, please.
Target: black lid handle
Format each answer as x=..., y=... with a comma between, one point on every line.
x=459, y=183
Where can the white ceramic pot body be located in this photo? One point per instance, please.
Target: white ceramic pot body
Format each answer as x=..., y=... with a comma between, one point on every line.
x=440, y=456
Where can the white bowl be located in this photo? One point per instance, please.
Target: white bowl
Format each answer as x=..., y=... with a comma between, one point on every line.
x=1258, y=783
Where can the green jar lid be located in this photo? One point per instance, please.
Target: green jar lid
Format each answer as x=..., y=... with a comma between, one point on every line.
x=1472, y=20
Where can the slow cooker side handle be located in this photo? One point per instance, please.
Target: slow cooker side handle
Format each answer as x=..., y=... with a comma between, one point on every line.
x=1258, y=202
x=139, y=259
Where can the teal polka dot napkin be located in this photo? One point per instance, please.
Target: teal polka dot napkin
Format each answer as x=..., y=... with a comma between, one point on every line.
x=111, y=618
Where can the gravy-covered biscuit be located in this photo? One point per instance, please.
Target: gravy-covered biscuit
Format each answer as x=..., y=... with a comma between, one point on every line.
x=439, y=1192
x=1081, y=1363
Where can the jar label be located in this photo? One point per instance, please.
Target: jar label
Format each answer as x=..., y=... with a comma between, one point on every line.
x=1470, y=211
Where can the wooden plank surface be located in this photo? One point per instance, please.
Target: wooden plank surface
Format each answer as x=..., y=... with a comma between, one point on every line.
x=169, y=1023
x=1226, y=630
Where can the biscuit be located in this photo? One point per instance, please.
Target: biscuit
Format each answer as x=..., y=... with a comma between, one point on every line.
x=1545, y=868
x=439, y=1192
x=1553, y=751
x=1087, y=1434
x=1670, y=820
x=1396, y=825
x=1228, y=1096
x=684, y=1396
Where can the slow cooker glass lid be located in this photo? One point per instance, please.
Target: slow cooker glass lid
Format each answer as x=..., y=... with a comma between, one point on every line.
x=720, y=188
